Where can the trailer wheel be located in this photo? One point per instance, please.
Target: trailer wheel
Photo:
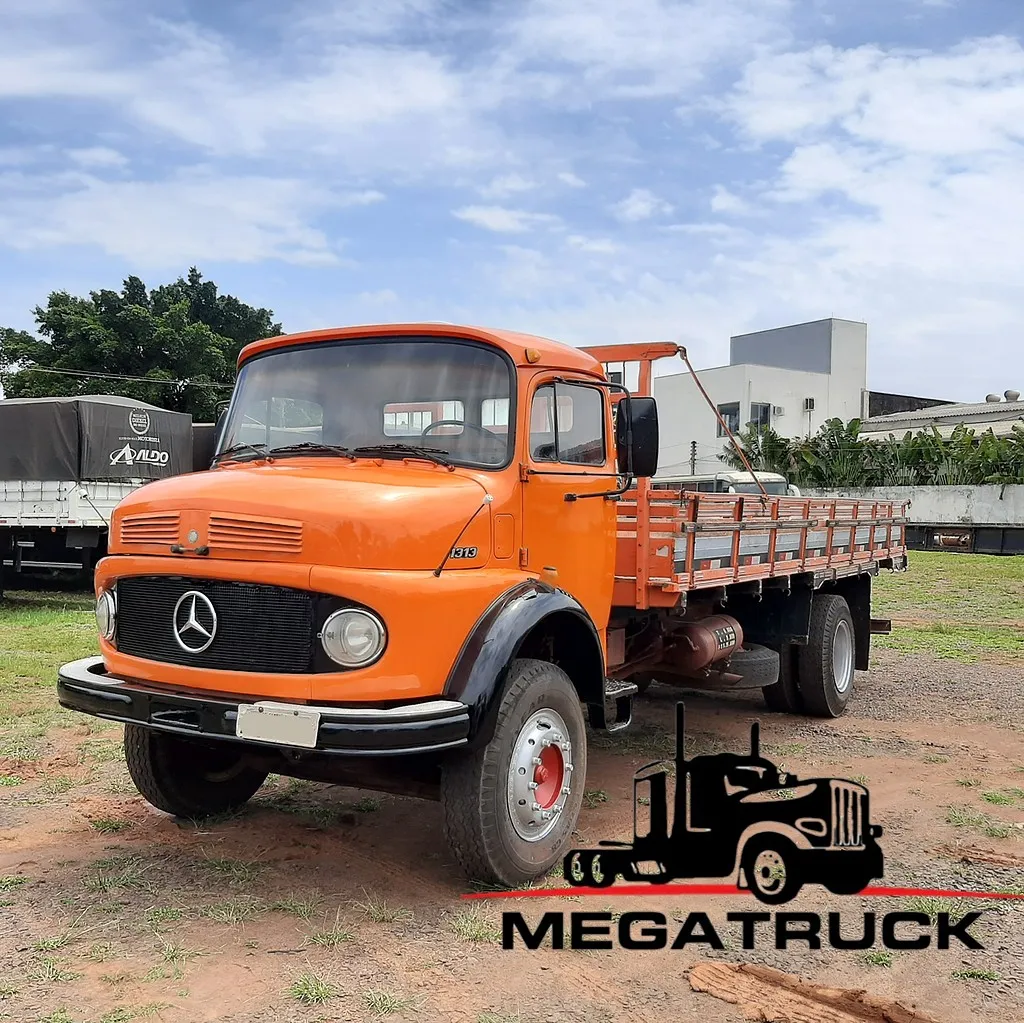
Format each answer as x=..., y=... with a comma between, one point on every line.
x=768, y=863
x=188, y=778
x=510, y=807
x=784, y=696
x=826, y=665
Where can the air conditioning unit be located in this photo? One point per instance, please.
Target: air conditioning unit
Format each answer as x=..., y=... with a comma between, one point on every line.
x=778, y=410
x=808, y=404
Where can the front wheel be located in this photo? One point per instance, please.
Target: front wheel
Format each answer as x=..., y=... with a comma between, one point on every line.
x=189, y=778
x=510, y=807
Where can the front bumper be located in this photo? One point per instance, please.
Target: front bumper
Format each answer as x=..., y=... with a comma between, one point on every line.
x=354, y=730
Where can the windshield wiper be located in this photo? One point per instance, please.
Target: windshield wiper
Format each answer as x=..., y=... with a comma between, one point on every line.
x=433, y=454
x=308, y=447
x=258, y=450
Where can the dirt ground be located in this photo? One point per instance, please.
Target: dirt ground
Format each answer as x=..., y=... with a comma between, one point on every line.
x=323, y=903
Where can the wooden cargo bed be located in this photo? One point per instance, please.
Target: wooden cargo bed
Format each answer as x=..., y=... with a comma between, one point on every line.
x=689, y=541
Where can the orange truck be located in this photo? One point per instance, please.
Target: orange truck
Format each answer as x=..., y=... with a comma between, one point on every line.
x=426, y=558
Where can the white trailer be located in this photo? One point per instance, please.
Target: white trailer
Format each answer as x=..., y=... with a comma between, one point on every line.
x=66, y=463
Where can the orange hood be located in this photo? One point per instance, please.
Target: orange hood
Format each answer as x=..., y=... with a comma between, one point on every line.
x=361, y=514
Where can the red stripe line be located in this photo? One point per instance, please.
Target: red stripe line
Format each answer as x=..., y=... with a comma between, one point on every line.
x=725, y=889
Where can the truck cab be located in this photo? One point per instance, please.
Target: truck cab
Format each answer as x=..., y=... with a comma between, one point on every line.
x=398, y=572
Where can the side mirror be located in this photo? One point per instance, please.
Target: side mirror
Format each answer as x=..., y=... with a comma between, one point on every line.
x=793, y=491
x=639, y=417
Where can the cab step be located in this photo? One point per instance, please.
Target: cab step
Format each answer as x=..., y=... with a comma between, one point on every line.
x=617, y=710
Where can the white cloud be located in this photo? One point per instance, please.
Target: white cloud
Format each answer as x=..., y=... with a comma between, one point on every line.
x=190, y=218
x=572, y=180
x=640, y=204
x=503, y=220
x=584, y=244
x=505, y=185
x=724, y=201
x=97, y=156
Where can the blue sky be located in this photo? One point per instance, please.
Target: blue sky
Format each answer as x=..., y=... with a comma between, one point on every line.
x=591, y=170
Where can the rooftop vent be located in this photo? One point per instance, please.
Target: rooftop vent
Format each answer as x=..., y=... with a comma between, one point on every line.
x=992, y=398
x=1011, y=395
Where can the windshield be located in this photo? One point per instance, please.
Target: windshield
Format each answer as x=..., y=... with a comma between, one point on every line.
x=447, y=396
x=752, y=488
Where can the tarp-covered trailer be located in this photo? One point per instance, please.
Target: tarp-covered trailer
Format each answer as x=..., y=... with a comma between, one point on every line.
x=65, y=463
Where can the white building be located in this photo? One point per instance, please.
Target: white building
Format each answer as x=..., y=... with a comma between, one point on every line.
x=790, y=378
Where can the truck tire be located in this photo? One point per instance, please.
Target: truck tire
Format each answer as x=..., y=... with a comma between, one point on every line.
x=759, y=666
x=826, y=665
x=510, y=807
x=784, y=696
x=769, y=864
x=189, y=778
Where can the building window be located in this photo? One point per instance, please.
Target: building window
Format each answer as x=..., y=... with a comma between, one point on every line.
x=730, y=412
x=578, y=435
x=760, y=415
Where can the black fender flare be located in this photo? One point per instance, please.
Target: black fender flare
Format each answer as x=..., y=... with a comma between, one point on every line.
x=477, y=678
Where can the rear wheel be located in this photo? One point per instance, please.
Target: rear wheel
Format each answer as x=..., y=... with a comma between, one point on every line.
x=188, y=778
x=826, y=665
x=510, y=807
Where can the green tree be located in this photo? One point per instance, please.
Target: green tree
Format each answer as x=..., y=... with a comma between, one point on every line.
x=184, y=332
x=765, y=450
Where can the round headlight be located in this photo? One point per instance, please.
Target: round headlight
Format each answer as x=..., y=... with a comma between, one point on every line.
x=353, y=638
x=106, y=614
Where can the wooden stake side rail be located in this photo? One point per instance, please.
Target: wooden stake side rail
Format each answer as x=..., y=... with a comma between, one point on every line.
x=698, y=541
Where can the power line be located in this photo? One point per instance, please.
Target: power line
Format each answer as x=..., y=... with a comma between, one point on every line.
x=123, y=376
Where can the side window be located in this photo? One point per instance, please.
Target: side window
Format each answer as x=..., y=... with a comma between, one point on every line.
x=567, y=425
x=706, y=486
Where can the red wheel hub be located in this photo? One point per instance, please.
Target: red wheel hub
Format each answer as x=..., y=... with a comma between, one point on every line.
x=549, y=776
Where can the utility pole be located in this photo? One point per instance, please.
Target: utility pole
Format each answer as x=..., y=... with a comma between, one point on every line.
x=693, y=458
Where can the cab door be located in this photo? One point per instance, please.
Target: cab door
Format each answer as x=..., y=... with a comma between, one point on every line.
x=568, y=451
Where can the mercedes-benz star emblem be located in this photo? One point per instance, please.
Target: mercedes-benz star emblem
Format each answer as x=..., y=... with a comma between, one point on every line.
x=195, y=622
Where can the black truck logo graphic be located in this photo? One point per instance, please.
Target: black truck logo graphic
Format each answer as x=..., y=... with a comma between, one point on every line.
x=735, y=812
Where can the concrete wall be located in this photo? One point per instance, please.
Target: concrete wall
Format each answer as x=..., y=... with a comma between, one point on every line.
x=980, y=506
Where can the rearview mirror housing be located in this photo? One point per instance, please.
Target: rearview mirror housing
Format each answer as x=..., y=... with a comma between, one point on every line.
x=638, y=416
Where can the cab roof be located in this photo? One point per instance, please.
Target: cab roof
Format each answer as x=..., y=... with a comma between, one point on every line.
x=551, y=354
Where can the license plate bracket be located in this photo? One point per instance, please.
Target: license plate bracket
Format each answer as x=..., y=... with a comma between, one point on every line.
x=280, y=723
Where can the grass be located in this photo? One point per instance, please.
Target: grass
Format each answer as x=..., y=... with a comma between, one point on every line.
x=235, y=872
x=878, y=957
x=472, y=925
x=932, y=906
x=312, y=988
x=377, y=909
x=234, y=911
x=592, y=797
x=386, y=1003
x=110, y=825
x=12, y=881
x=49, y=971
x=973, y=973
x=302, y=907
x=965, y=817
x=957, y=606
x=333, y=936
x=500, y=1017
